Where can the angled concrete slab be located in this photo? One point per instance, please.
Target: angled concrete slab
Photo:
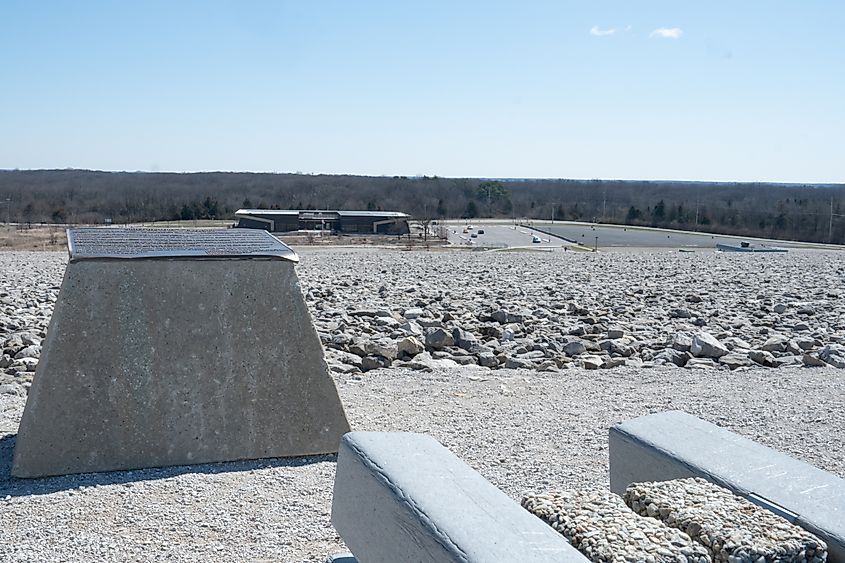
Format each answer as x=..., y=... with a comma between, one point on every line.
x=171, y=348
x=675, y=445
x=401, y=496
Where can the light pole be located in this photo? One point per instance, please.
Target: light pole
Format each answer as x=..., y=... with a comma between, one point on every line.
x=604, y=205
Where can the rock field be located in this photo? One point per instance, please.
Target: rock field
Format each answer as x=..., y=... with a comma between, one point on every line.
x=679, y=521
x=599, y=525
x=731, y=528
x=540, y=311
x=29, y=285
x=554, y=311
x=523, y=429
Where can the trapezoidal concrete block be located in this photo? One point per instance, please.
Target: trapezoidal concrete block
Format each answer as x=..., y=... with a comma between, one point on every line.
x=674, y=445
x=401, y=496
x=173, y=348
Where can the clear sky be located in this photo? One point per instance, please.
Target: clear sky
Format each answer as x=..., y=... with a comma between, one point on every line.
x=710, y=90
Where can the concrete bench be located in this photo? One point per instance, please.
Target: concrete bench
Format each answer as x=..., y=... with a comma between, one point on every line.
x=673, y=445
x=405, y=497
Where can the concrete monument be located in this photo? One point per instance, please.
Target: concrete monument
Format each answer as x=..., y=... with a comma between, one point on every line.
x=171, y=347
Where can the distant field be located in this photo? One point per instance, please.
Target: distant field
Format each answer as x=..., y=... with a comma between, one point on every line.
x=35, y=238
x=53, y=237
x=197, y=224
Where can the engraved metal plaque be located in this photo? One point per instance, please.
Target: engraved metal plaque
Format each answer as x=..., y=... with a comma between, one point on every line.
x=109, y=242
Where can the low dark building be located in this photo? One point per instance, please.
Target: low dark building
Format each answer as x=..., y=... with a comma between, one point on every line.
x=343, y=222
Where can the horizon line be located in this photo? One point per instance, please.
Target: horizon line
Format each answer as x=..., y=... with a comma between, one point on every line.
x=423, y=176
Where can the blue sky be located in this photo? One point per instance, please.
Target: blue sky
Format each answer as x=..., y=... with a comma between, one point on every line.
x=716, y=90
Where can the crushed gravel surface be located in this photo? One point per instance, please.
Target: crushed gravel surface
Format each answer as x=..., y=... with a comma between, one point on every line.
x=522, y=429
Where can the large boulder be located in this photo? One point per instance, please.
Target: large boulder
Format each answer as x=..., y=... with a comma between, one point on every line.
x=369, y=363
x=487, y=359
x=384, y=347
x=705, y=345
x=671, y=356
x=775, y=343
x=410, y=346
x=735, y=360
x=811, y=360
x=463, y=339
x=681, y=342
x=762, y=357
x=519, y=363
x=833, y=354
x=591, y=362
x=32, y=351
x=574, y=348
x=438, y=339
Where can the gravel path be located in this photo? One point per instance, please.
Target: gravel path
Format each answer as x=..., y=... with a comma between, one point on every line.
x=522, y=429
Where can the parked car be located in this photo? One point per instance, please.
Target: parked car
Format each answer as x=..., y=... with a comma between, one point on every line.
x=480, y=231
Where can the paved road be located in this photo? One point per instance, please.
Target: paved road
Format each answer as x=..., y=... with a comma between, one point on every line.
x=646, y=238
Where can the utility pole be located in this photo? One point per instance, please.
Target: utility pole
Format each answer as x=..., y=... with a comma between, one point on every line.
x=697, y=205
x=830, y=224
x=9, y=209
x=604, y=206
x=596, y=247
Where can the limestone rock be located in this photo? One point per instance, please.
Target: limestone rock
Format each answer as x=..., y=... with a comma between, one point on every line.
x=775, y=343
x=762, y=357
x=410, y=346
x=439, y=339
x=705, y=345
x=591, y=362
x=811, y=360
x=833, y=354
x=735, y=360
x=463, y=339
x=574, y=348
x=32, y=351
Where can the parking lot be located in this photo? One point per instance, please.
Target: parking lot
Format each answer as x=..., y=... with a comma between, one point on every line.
x=501, y=236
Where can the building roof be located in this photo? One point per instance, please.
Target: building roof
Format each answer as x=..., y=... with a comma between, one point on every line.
x=341, y=213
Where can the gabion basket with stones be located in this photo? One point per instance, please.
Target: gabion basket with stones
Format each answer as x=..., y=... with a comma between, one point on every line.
x=600, y=526
x=733, y=529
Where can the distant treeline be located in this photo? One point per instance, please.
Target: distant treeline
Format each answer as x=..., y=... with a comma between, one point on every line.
x=786, y=211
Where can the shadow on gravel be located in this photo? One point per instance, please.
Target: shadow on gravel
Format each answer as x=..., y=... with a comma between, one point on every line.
x=10, y=486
